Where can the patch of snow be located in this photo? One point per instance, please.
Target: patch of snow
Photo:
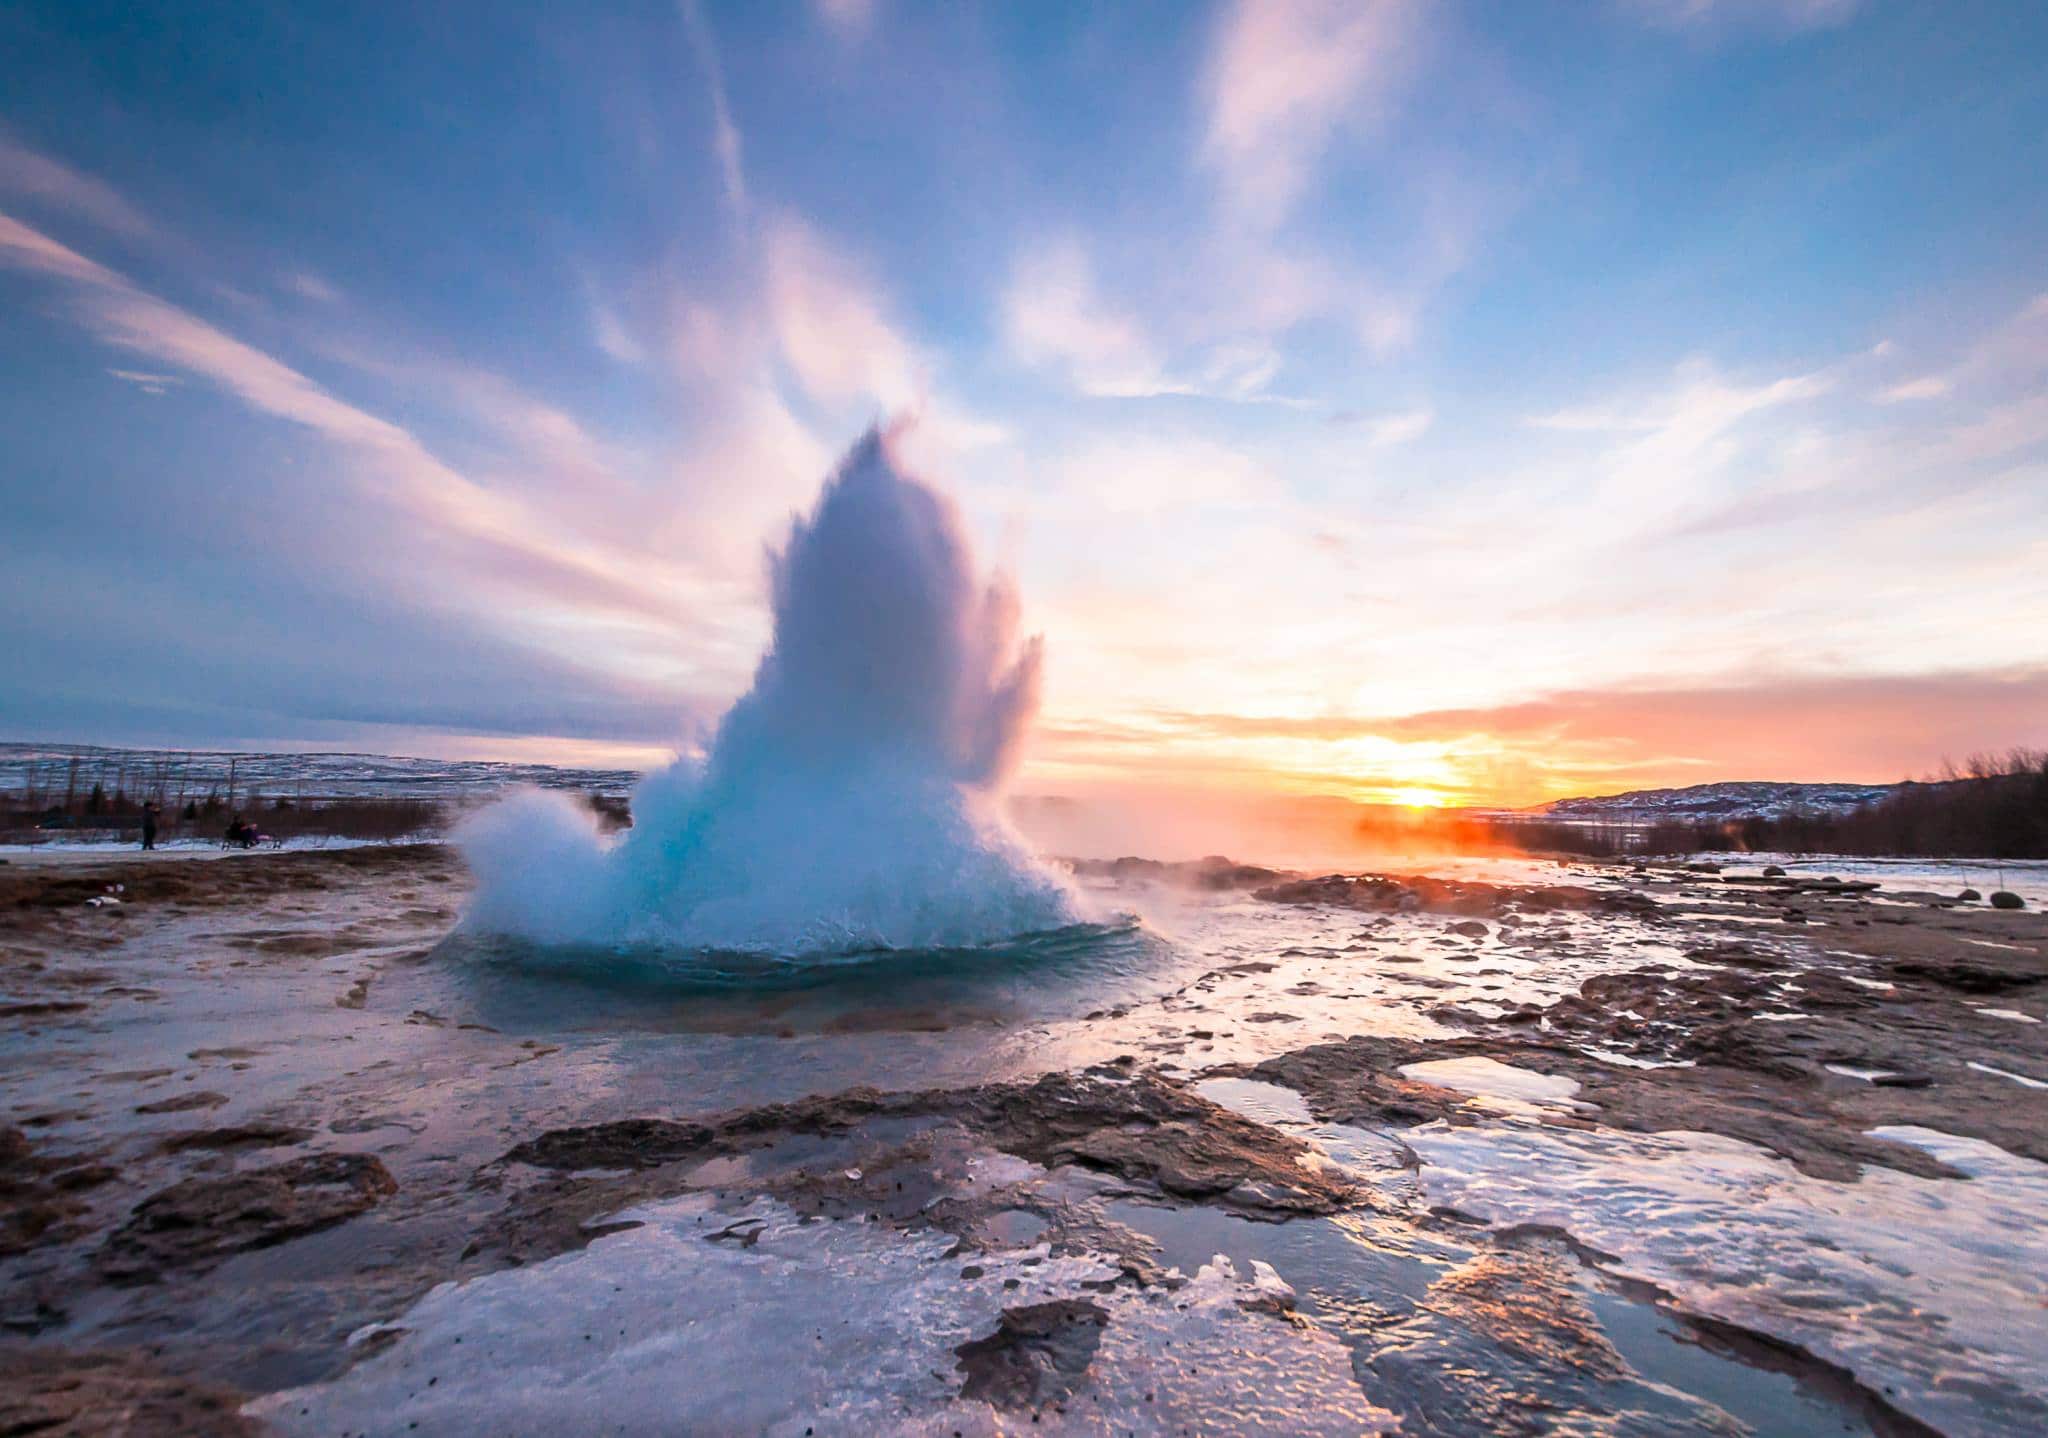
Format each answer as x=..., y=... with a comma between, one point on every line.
x=2008, y=1074
x=1867, y=1075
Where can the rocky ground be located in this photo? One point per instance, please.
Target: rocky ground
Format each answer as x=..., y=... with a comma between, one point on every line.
x=1631, y=1150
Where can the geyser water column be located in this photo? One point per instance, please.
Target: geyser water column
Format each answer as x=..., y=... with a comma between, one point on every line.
x=849, y=800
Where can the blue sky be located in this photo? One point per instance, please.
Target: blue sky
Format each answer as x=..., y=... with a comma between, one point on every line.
x=1488, y=400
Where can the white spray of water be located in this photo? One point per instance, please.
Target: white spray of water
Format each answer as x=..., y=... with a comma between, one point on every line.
x=848, y=800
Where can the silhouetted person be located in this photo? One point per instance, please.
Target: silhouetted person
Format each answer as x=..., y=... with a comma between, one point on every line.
x=149, y=826
x=241, y=833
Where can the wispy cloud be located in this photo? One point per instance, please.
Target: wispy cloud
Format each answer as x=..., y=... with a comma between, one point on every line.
x=145, y=381
x=1387, y=431
x=1931, y=386
x=1053, y=314
x=829, y=324
x=849, y=17
x=307, y=285
x=400, y=469
x=1152, y=474
x=28, y=174
x=1283, y=75
x=1700, y=405
x=1710, y=15
x=725, y=135
x=2013, y=351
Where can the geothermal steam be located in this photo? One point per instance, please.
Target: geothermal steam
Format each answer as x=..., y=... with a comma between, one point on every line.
x=848, y=801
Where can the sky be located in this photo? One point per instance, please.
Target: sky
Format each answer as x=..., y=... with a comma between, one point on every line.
x=1407, y=402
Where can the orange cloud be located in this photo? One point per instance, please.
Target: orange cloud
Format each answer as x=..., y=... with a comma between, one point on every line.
x=1849, y=728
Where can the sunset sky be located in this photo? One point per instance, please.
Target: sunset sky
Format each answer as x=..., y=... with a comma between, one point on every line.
x=1468, y=402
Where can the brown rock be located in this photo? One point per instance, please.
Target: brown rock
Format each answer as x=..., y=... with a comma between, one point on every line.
x=110, y=1395
x=196, y=1223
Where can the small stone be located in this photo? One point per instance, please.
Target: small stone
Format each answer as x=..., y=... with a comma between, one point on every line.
x=2007, y=899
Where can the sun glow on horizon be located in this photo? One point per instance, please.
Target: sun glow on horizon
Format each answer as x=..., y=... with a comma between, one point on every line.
x=1418, y=798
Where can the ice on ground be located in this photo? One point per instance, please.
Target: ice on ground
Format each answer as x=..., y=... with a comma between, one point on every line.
x=1868, y=1075
x=757, y=1320
x=2021, y=1079
x=1929, y=1290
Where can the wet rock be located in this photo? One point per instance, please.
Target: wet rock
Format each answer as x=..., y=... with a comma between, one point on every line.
x=41, y=1008
x=1420, y=893
x=1968, y=896
x=200, y=1221
x=635, y=1143
x=1214, y=873
x=184, y=1102
x=1533, y=1308
x=1971, y=976
x=1773, y=871
x=37, y=1202
x=1270, y=1292
x=1470, y=928
x=237, y=1136
x=1737, y=956
x=1036, y=1356
x=110, y=1395
x=1151, y=1131
x=1146, y=1130
x=2007, y=899
x=1356, y=1081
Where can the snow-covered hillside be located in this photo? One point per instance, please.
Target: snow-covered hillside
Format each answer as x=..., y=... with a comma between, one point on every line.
x=1739, y=800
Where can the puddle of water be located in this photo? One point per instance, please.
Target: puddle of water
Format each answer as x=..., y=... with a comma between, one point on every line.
x=1373, y=1284
x=1496, y=1082
x=1261, y=1102
x=1912, y=1284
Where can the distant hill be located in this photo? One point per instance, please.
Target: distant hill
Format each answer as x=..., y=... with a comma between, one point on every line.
x=1716, y=802
x=54, y=769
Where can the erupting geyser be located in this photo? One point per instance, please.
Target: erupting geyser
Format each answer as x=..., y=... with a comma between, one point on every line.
x=848, y=800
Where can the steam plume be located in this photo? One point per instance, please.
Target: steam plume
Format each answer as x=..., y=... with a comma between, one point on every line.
x=848, y=799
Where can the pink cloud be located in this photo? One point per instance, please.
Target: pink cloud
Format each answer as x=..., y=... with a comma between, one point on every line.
x=25, y=172
x=829, y=325
x=1283, y=75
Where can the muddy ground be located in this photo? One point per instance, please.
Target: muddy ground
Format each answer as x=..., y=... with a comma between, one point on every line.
x=254, y=1106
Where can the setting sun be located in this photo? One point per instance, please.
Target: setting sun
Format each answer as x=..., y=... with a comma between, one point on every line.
x=1414, y=798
